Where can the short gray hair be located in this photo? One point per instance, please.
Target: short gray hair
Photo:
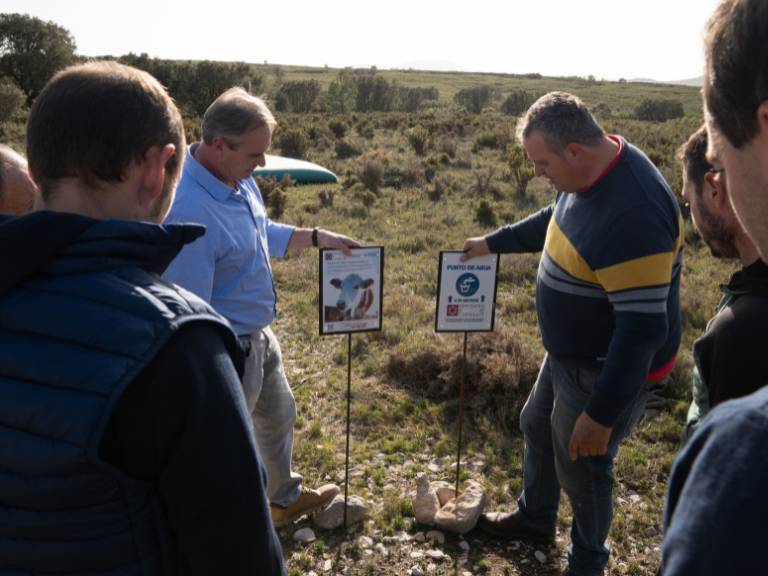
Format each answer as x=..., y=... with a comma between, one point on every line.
x=233, y=114
x=561, y=119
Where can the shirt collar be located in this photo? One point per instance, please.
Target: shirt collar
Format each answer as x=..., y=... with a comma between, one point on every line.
x=204, y=178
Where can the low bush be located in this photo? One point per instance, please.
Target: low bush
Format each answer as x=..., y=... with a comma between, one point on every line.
x=293, y=142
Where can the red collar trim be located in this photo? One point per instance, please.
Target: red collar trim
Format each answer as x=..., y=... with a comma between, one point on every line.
x=611, y=165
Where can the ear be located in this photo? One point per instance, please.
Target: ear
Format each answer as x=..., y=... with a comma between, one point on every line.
x=572, y=150
x=218, y=144
x=153, y=171
x=366, y=283
x=714, y=187
x=762, y=116
x=336, y=283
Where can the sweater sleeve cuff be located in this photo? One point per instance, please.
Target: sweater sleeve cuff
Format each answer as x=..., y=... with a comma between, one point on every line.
x=602, y=411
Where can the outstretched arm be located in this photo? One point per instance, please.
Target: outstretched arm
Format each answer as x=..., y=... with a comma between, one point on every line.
x=302, y=238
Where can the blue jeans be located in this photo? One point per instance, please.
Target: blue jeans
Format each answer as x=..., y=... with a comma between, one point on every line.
x=555, y=402
x=273, y=410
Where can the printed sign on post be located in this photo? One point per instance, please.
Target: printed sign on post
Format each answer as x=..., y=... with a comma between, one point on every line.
x=466, y=293
x=351, y=290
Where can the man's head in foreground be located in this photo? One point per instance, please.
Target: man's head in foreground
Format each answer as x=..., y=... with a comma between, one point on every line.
x=105, y=140
x=736, y=108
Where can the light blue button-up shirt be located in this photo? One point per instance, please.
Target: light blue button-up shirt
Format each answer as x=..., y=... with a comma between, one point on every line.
x=229, y=266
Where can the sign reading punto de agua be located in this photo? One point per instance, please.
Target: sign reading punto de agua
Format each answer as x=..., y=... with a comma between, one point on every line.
x=466, y=293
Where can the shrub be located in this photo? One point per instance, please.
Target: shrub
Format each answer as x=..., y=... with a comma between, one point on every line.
x=418, y=138
x=500, y=370
x=439, y=186
x=297, y=96
x=266, y=187
x=411, y=99
x=293, y=142
x=326, y=198
x=659, y=110
x=483, y=181
x=277, y=203
x=485, y=215
x=338, y=127
x=474, y=99
x=448, y=146
x=374, y=93
x=371, y=172
x=346, y=150
x=520, y=169
x=518, y=102
x=11, y=99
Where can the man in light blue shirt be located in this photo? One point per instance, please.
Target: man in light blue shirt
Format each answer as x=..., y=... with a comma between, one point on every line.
x=229, y=267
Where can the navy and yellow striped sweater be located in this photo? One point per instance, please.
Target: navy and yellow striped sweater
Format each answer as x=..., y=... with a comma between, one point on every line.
x=608, y=285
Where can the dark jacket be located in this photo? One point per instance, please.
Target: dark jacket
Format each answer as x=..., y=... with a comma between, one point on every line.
x=730, y=357
x=82, y=312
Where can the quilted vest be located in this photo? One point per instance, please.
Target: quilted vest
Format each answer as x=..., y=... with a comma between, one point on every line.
x=69, y=346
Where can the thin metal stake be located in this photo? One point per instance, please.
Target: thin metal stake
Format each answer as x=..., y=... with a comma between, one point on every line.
x=461, y=411
x=349, y=402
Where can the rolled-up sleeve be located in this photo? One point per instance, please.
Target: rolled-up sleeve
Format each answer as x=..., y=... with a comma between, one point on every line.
x=278, y=236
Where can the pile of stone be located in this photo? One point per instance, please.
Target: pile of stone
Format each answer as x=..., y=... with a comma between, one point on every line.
x=437, y=504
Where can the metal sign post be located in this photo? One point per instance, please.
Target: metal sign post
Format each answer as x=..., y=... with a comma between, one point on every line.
x=461, y=411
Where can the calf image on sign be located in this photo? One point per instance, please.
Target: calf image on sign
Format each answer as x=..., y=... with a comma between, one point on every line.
x=351, y=290
x=355, y=299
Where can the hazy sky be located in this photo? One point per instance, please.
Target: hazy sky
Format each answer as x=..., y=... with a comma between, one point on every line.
x=659, y=39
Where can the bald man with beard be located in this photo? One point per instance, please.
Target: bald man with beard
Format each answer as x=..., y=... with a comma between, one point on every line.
x=17, y=189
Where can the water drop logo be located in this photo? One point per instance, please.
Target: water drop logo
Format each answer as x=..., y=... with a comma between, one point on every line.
x=467, y=284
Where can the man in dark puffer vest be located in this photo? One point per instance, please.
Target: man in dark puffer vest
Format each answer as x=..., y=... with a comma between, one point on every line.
x=125, y=443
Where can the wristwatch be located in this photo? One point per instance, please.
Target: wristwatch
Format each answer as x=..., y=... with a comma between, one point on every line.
x=314, y=236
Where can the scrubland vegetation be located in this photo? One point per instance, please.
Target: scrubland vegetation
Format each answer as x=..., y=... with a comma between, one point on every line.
x=426, y=159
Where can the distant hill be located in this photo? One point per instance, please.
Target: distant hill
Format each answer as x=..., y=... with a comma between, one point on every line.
x=697, y=81
x=431, y=65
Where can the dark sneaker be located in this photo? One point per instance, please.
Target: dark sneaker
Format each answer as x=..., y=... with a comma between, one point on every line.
x=512, y=527
x=309, y=501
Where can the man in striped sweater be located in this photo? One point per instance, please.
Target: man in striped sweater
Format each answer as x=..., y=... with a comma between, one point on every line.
x=607, y=299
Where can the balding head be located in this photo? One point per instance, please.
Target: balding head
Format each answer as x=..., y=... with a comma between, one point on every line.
x=17, y=190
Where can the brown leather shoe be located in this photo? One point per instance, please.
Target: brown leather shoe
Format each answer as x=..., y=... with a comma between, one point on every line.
x=512, y=527
x=308, y=501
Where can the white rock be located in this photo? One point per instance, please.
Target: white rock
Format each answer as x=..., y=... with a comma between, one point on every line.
x=434, y=468
x=635, y=498
x=304, y=535
x=425, y=503
x=332, y=516
x=445, y=491
x=327, y=565
x=311, y=573
x=466, y=573
x=540, y=556
x=415, y=570
x=431, y=567
x=381, y=549
x=436, y=537
x=460, y=515
x=365, y=541
x=416, y=554
x=435, y=554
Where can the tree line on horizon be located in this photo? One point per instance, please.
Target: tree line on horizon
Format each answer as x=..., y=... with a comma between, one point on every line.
x=33, y=50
